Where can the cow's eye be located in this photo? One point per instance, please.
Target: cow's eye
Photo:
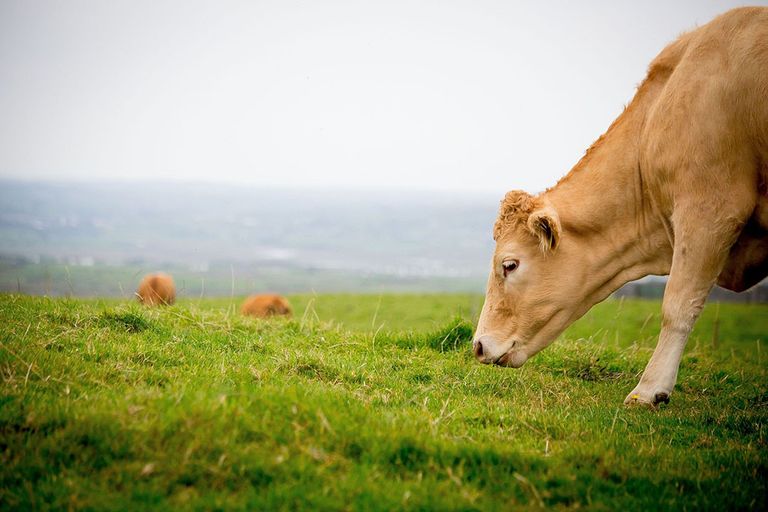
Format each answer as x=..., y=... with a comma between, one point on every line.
x=510, y=266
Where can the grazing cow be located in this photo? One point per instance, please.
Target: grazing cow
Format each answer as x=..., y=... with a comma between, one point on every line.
x=156, y=290
x=677, y=186
x=266, y=305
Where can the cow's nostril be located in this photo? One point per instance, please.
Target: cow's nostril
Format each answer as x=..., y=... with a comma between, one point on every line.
x=478, y=349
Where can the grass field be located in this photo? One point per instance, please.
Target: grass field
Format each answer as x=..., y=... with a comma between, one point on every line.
x=369, y=403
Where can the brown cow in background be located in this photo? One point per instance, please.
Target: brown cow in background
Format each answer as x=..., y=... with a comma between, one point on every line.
x=266, y=305
x=156, y=290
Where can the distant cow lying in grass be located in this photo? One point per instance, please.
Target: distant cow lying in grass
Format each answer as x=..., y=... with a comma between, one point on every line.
x=677, y=186
x=266, y=305
x=156, y=290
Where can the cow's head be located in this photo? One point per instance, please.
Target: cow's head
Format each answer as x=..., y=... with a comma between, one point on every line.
x=533, y=290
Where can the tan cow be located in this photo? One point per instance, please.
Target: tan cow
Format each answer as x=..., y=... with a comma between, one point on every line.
x=156, y=290
x=266, y=305
x=678, y=185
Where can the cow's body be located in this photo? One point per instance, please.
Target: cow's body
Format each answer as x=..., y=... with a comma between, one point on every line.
x=266, y=305
x=677, y=186
x=156, y=290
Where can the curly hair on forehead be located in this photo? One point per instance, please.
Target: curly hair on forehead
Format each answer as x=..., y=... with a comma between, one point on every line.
x=515, y=209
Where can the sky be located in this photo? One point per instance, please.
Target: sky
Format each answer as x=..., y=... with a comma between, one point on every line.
x=463, y=96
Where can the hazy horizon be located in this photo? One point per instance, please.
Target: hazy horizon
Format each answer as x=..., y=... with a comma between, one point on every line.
x=371, y=188
x=107, y=235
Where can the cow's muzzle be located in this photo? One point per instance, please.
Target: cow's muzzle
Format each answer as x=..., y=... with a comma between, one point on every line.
x=486, y=350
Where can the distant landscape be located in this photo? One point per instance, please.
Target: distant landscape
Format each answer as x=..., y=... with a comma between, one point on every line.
x=97, y=239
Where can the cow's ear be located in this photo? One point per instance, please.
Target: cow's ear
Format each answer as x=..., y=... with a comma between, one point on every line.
x=544, y=223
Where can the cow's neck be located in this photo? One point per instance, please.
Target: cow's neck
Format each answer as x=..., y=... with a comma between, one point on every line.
x=605, y=206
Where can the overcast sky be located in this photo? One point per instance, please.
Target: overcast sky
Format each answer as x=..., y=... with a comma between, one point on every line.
x=476, y=95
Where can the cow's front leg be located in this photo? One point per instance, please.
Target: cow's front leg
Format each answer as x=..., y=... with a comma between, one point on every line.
x=699, y=256
x=660, y=375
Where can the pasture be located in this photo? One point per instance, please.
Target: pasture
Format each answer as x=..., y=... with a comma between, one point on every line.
x=369, y=402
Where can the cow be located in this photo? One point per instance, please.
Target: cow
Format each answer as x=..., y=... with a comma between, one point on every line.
x=156, y=290
x=266, y=305
x=677, y=186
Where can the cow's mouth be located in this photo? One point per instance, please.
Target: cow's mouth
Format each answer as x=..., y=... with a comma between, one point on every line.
x=511, y=359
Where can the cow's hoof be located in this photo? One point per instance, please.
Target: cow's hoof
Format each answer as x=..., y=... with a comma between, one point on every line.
x=647, y=399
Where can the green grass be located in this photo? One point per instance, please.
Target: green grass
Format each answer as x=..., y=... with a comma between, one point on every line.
x=369, y=402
